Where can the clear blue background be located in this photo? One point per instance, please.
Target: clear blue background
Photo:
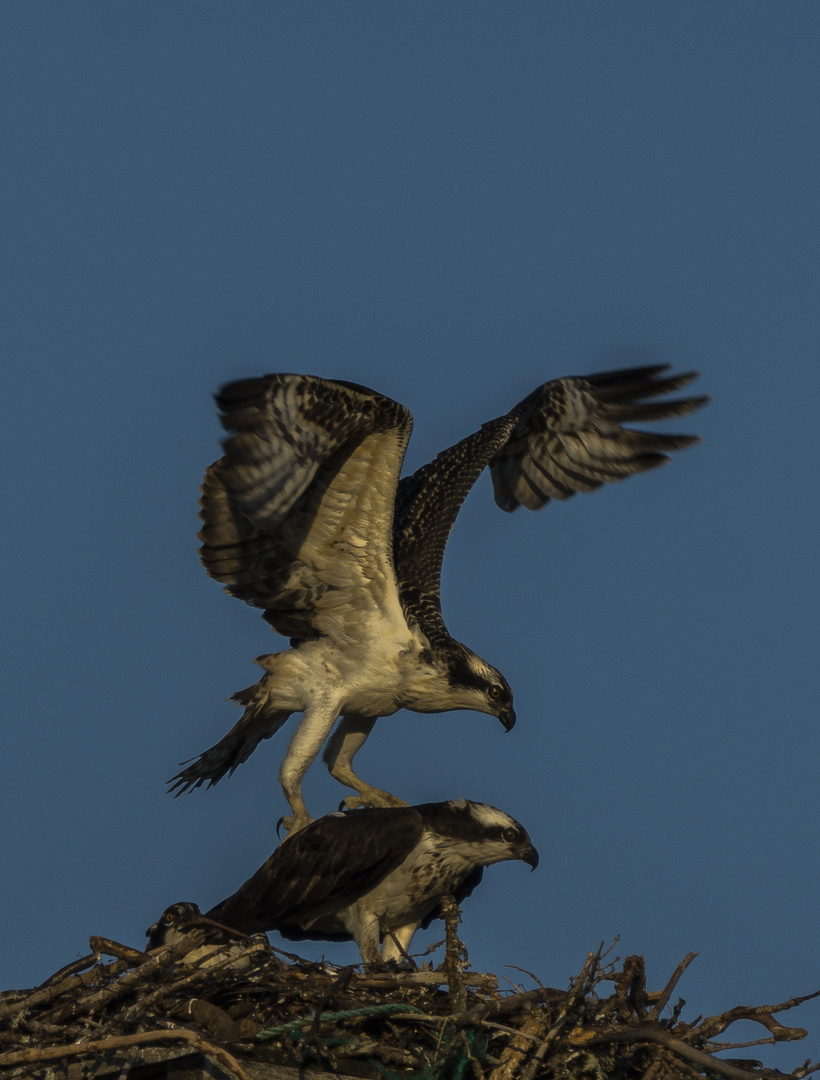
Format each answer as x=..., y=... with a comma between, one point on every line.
x=451, y=203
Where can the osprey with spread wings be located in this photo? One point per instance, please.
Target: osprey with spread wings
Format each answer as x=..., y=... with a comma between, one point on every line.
x=305, y=517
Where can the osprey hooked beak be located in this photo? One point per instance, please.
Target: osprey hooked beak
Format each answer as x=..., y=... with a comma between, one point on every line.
x=507, y=717
x=530, y=856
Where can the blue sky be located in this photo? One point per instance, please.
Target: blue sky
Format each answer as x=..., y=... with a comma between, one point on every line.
x=451, y=204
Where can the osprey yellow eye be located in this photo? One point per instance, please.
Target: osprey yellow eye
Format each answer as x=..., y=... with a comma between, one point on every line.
x=495, y=692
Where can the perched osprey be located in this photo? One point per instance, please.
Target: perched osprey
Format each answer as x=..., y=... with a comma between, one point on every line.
x=220, y=941
x=369, y=875
x=305, y=517
x=172, y=925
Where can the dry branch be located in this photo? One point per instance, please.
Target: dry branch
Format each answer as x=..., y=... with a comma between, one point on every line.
x=237, y=1002
x=123, y=1042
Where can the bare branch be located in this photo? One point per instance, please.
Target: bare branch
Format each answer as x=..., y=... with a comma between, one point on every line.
x=663, y=1001
x=454, y=954
x=761, y=1014
x=649, y=1033
x=121, y=1042
x=514, y=1003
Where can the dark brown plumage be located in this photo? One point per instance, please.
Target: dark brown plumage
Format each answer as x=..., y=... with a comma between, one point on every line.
x=373, y=876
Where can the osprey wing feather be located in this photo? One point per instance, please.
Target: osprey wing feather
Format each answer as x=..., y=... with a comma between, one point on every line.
x=297, y=515
x=569, y=436
x=563, y=438
x=326, y=866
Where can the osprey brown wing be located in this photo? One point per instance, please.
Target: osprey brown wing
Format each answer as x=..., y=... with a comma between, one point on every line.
x=570, y=437
x=298, y=470
x=563, y=438
x=332, y=861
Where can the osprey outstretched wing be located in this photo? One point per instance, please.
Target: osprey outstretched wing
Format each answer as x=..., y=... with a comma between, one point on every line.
x=563, y=438
x=372, y=876
x=305, y=517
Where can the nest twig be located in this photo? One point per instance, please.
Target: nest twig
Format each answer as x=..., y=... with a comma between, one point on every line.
x=237, y=1002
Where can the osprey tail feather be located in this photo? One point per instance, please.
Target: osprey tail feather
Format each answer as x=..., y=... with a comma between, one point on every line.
x=259, y=721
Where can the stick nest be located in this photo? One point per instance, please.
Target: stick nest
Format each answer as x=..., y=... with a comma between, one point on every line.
x=242, y=1003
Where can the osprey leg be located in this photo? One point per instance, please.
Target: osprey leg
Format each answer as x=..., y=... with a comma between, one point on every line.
x=396, y=944
x=363, y=924
x=346, y=741
x=302, y=752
